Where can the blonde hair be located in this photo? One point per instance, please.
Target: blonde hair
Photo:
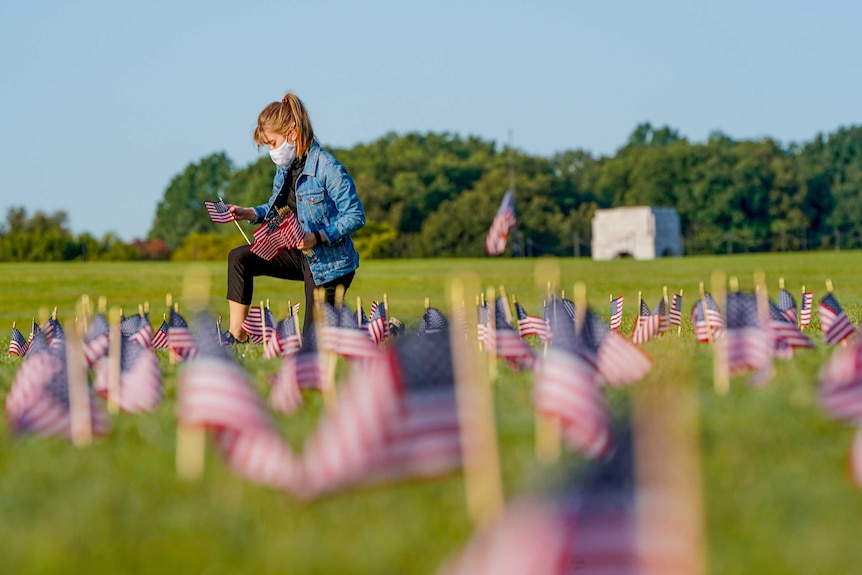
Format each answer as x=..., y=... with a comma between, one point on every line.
x=279, y=117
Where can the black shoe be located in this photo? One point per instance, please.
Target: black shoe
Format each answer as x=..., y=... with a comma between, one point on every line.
x=227, y=339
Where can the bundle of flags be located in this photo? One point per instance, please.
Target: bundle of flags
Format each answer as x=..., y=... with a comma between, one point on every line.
x=280, y=231
x=495, y=241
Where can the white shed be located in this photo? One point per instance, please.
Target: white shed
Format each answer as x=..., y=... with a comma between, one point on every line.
x=642, y=232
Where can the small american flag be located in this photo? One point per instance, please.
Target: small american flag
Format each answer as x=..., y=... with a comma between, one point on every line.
x=619, y=361
x=787, y=305
x=252, y=324
x=834, y=324
x=56, y=335
x=343, y=336
x=219, y=212
x=17, y=343
x=282, y=231
x=34, y=329
x=433, y=321
x=617, y=312
x=215, y=392
x=840, y=384
x=747, y=345
x=396, y=419
x=530, y=324
x=508, y=343
x=140, y=378
x=648, y=325
x=96, y=340
x=664, y=315
x=805, y=311
x=495, y=241
x=566, y=386
x=710, y=324
x=180, y=339
x=138, y=329
x=378, y=324
x=676, y=310
x=38, y=401
x=160, y=337
x=785, y=333
x=284, y=340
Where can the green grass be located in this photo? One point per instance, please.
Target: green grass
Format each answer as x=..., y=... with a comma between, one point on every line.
x=777, y=495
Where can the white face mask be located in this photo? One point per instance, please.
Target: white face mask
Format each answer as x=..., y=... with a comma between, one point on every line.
x=284, y=154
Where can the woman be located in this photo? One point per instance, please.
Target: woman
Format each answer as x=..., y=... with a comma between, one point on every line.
x=316, y=187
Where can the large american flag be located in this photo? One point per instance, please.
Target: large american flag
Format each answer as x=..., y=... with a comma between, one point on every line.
x=396, y=419
x=840, y=383
x=710, y=325
x=140, y=378
x=834, y=324
x=617, y=312
x=747, y=344
x=282, y=231
x=495, y=241
x=648, y=324
x=219, y=212
x=530, y=324
x=17, y=343
x=805, y=310
x=217, y=394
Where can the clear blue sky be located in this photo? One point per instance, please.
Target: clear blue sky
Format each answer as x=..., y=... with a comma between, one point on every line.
x=102, y=103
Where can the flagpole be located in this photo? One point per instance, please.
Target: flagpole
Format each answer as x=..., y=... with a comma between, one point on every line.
x=114, y=359
x=80, y=419
x=238, y=226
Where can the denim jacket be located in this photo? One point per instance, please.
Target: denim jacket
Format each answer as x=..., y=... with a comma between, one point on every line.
x=326, y=201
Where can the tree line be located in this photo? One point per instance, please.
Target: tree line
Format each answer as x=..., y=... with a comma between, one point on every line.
x=435, y=194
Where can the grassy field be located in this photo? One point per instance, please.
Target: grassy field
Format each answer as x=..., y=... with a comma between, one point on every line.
x=778, y=498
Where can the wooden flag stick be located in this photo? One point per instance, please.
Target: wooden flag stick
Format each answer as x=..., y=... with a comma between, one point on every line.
x=427, y=303
x=721, y=378
x=492, y=335
x=548, y=430
x=359, y=311
x=780, y=283
x=114, y=357
x=829, y=287
x=191, y=439
x=482, y=484
x=85, y=311
x=79, y=397
x=247, y=241
x=666, y=309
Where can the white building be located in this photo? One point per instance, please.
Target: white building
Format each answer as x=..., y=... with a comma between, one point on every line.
x=641, y=232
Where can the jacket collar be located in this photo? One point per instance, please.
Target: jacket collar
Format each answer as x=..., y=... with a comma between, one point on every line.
x=311, y=161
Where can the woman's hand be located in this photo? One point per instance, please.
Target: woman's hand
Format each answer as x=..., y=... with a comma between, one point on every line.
x=242, y=213
x=307, y=242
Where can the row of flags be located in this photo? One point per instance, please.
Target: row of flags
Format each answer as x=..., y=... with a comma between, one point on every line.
x=397, y=410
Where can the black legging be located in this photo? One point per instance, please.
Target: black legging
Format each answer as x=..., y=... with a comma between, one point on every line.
x=289, y=264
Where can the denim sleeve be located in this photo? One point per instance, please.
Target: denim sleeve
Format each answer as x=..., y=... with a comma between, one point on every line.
x=350, y=215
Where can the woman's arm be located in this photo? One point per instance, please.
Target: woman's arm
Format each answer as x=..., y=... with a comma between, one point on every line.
x=350, y=215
